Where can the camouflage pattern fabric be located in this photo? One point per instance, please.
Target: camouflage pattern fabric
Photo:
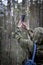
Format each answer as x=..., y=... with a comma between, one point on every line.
x=38, y=37
x=38, y=34
x=25, y=44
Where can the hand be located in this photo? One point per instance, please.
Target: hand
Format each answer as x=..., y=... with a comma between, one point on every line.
x=24, y=25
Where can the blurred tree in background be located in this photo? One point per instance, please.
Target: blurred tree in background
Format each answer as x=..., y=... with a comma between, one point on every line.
x=10, y=15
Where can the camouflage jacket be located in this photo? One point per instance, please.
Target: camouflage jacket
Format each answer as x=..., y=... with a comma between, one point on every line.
x=25, y=44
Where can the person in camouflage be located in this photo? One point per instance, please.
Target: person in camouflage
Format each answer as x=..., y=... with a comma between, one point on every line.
x=38, y=37
x=24, y=41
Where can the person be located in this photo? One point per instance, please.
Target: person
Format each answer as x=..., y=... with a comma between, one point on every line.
x=22, y=33
x=38, y=37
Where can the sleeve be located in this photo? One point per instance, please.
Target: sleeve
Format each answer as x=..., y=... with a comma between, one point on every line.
x=24, y=43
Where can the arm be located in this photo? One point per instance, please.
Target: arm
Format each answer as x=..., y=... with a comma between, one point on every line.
x=26, y=43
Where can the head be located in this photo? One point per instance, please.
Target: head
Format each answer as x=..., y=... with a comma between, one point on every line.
x=38, y=35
